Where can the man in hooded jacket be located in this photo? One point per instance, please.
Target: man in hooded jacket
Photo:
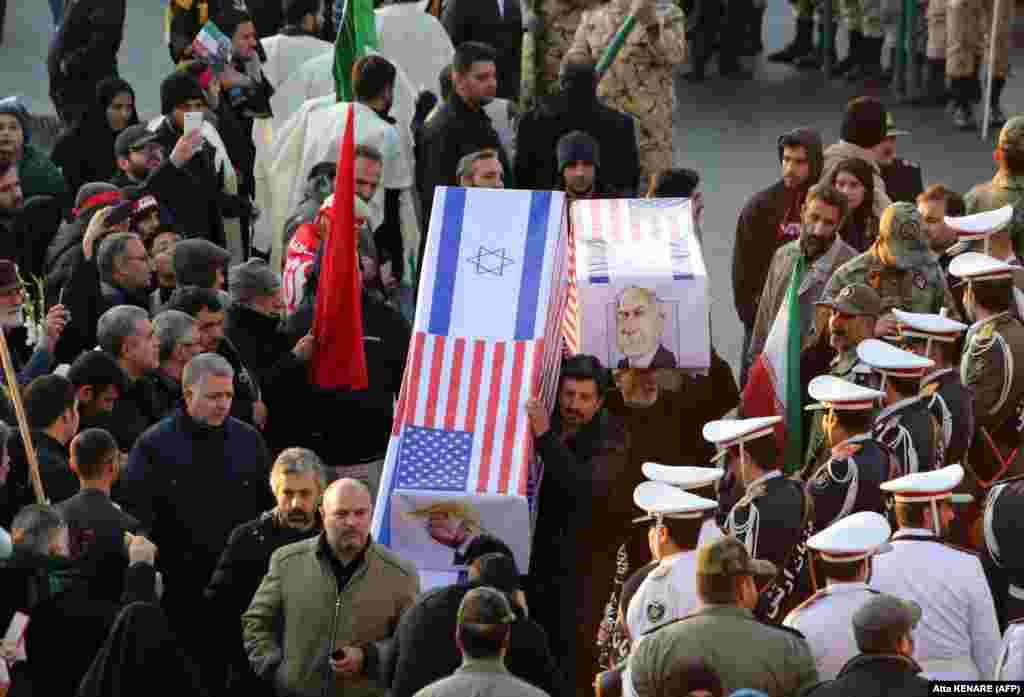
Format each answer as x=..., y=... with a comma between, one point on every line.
x=770, y=219
x=83, y=53
x=576, y=108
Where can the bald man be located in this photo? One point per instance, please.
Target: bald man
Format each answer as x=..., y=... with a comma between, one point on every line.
x=639, y=323
x=339, y=590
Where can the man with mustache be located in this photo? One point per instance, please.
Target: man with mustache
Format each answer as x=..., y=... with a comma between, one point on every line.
x=822, y=251
x=852, y=317
x=297, y=479
x=27, y=365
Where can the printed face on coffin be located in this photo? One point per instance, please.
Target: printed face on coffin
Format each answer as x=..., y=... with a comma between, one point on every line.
x=639, y=322
x=449, y=523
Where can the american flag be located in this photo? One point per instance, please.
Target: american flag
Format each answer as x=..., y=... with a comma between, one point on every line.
x=485, y=340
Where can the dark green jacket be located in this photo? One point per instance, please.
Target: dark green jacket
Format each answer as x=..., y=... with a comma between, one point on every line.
x=741, y=650
x=40, y=176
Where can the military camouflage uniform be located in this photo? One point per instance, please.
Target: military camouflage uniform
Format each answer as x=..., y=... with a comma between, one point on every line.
x=543, y=52
x=639, y=82
x=952, y=405
x=848, y=367
x=968, y=23
x=865, y=16
x=912, y=436
x=1003, y=189
x=993, y=367
x=921, y=289
x=849, y=482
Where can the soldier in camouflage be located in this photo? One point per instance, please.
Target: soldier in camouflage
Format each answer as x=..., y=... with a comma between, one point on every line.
x=992, y=366
x=851, y=319
x=968, y=23
x=900, y=267
x=551, y=25
x=639, y=82
x=1007, y=187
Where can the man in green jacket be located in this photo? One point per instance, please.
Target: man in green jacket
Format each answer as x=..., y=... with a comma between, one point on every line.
x=722, y=630
x=311, y=627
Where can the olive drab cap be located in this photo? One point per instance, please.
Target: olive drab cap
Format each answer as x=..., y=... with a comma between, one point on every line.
x=727, y=556
x=1011, y=137
x=856, y=299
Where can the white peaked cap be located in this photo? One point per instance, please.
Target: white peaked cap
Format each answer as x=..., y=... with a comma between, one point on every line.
x=928, y=326
x=659, y=499
x=726, y=433
x=836, y=393
x=973, y=266
x=980, y=225
x=855, y=537
x=895, y=362
x=922, y=487
x=683, y=477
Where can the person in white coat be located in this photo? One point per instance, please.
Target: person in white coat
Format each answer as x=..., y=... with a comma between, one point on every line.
x=958, y=637
x=697, y=480
x=846, y=549
x=670, y=590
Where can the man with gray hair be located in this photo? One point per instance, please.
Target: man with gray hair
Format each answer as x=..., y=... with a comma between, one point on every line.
x=297, y=480
x=481, y=169
x=178, y=342
x=254, y=329
x=191, y=479
x=126, y=271
x=126, y=334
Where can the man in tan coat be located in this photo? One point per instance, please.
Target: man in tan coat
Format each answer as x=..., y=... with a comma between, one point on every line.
x=310, y=628
x=639, y=82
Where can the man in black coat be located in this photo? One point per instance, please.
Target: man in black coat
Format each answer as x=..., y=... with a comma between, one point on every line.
x=576, y=108
x=497, y=23
x=770, y=219
x=423, y=649
x=460, y=126
x=199, y=204
x=254, y=328
x=297, y=480
x=883, y=628
x=96, y=525
x=190, y=480
x=53, y=419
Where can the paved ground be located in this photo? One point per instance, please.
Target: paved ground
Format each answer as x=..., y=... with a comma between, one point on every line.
x=726, y=129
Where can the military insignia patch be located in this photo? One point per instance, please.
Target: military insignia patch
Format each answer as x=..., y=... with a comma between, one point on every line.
x=920, y=281
x=655, y=611
x=930, y=389
x=845, y=293
x=986, y=331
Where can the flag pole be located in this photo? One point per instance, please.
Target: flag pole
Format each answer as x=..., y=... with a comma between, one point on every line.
x=19, y=410
x=991, y=69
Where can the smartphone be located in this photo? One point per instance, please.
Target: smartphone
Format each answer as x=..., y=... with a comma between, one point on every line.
x=193, y=121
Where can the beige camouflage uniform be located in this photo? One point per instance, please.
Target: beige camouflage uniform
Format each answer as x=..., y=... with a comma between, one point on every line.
x=639, y=82
x=968, y=24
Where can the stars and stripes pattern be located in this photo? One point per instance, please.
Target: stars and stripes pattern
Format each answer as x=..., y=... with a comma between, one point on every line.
x=433, y=459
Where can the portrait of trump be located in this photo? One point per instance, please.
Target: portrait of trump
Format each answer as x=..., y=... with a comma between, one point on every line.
x=452, y=524
x=639, y=324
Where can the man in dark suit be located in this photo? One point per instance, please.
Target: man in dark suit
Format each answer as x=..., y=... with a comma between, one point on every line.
x=498, y=23
x=639, y=323
x=97, y=525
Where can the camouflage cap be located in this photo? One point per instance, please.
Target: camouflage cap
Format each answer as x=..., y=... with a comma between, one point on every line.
x=1012, y=135
x=727, y=556
x=856, y=299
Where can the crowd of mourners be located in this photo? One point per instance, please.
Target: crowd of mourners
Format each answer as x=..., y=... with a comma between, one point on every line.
x=181, y=501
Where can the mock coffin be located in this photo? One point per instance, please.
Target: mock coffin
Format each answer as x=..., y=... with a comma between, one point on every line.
x=640, y=286
x=486, y=338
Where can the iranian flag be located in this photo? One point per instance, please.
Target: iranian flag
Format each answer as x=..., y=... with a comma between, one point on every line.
x=773, y=388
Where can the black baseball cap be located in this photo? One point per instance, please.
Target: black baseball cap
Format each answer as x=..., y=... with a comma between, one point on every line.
x=132, y=138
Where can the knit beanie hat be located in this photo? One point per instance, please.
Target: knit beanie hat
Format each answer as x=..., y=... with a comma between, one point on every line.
x=577, y=146
x=178, y=88
x=865, y=123
x=96, y=194
x=13, y=106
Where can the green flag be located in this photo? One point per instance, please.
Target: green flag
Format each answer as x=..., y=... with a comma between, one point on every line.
x=357, y=32
x=794, y=411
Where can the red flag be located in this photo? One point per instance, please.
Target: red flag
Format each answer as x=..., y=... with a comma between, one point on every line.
x=338, y=317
